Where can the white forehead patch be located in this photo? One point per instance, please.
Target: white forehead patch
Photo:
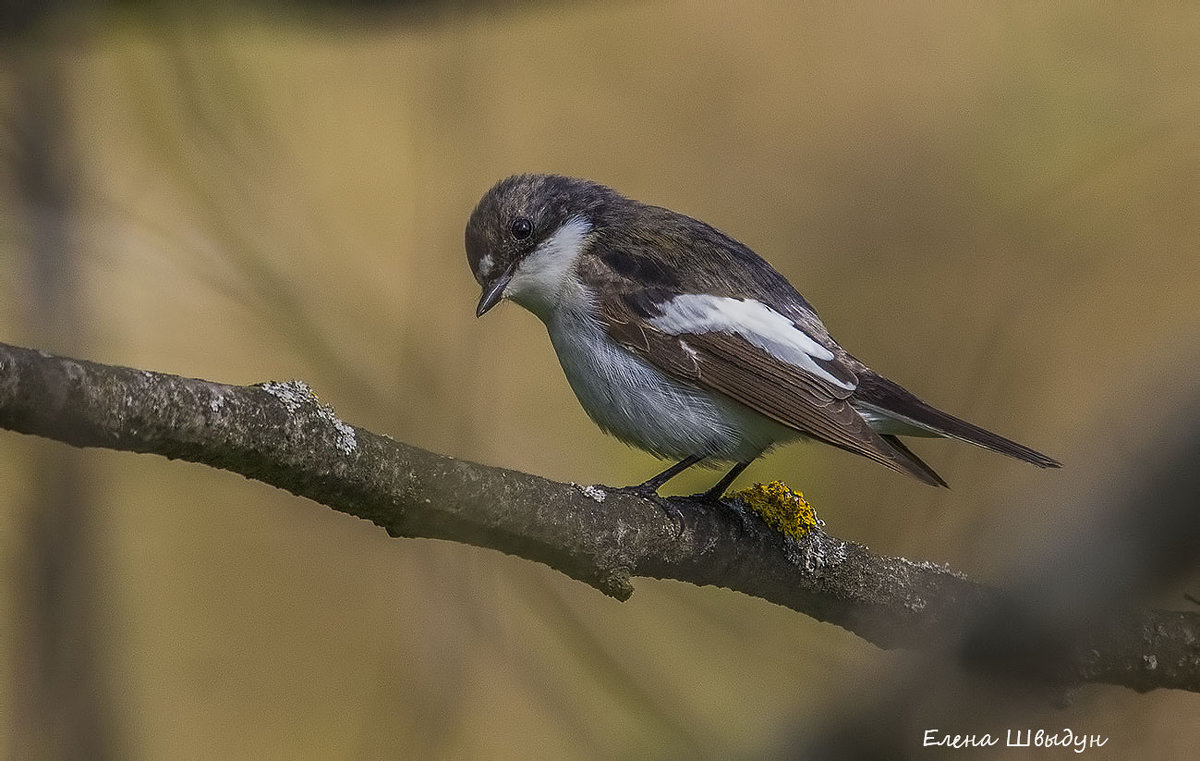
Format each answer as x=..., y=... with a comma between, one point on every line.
x=752, y=320
x=545, y=276
x=485, y=266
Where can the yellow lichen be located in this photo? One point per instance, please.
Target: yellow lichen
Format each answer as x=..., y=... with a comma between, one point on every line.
x=784, y=510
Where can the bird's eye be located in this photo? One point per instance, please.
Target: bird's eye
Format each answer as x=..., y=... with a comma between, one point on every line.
x=522, y=228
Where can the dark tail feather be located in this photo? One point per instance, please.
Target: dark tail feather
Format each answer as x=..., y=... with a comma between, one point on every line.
x=879, y=393
x=916, y=463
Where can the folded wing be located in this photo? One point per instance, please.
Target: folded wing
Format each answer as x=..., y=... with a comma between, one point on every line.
x=758, y=357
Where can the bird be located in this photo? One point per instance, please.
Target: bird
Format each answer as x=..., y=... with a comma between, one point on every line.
x=681, y=341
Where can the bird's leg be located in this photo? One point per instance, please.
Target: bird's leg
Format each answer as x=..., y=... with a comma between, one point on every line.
x=713, y=495
x=651, y=486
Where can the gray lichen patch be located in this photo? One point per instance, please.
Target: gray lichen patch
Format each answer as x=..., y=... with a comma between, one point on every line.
x=297, y=395
x=816, y=551
x=346, y=441
x=929, y=565
x=591, y=491
x=294, y=394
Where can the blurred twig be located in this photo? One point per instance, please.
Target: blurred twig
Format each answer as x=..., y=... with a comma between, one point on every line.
x=62, y=700
x=1133, y=537
x=281, y=435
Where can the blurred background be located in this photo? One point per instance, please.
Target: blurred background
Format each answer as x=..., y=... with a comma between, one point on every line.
x=997, y=205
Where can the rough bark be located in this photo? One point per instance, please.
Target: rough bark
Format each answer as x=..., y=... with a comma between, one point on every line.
x=280, y=434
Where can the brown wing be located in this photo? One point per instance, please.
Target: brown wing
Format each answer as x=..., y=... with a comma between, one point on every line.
x=879, y=393
x=732, y=366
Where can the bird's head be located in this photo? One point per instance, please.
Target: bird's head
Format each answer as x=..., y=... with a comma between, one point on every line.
x=527, y=233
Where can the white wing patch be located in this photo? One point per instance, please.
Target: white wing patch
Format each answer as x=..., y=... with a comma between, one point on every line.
x=752, y=320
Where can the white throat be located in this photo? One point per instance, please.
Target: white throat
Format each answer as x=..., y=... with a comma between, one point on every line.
x=547, y=276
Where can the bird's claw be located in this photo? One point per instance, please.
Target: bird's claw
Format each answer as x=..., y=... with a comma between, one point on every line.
x=714, y=500
x=665, y=504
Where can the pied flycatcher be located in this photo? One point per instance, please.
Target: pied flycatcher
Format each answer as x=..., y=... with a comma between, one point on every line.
x=681, y=341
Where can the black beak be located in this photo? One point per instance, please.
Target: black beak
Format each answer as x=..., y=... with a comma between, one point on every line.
x=494, y=292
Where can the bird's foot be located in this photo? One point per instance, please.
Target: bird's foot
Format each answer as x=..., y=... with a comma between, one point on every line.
x=649, y=492
x=714, y=499
x=646, y=491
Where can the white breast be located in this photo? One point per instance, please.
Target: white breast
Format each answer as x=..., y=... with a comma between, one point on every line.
x=634, y=401
x=625, y=395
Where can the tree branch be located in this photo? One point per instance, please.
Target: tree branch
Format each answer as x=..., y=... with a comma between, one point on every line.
x=280, y=434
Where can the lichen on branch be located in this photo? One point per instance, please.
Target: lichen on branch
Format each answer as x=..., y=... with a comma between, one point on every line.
x=281, y=434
